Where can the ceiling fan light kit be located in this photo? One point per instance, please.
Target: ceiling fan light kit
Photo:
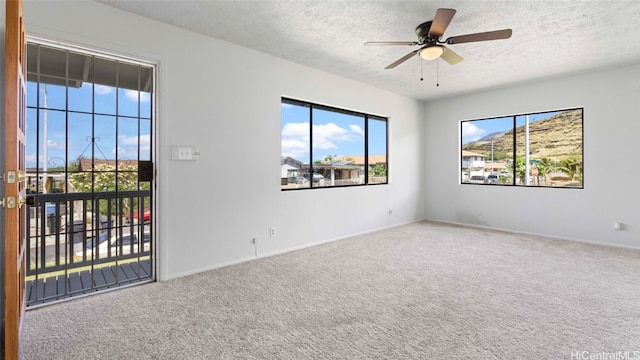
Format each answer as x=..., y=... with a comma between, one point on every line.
x=431, y=52
x=430, y=38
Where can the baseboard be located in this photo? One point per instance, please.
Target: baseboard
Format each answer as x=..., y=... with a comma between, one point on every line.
x=485, y=227
x=208, y=268
x=284, y=251
x=305, y=246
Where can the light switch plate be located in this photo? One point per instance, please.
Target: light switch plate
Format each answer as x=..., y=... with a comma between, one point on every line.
x=184, y=153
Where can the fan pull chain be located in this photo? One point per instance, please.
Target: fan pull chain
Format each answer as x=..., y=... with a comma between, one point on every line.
x=421, y=78
x=437, y=72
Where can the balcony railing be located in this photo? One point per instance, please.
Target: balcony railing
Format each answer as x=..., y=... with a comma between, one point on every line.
x=83, y=242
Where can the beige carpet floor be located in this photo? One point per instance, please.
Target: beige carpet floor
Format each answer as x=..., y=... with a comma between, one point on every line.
x=425, y=290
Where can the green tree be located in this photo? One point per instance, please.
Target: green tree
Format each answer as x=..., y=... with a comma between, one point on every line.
x=74, y=165
x=105, y=178
x=378, y=170
x=501, y=155
x=327, y=160
x=545, y=165
x=520, y=168
x=572, y=166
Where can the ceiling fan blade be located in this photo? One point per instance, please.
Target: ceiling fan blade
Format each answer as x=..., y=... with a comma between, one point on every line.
x=441, y=21
x=401, y=60
x=489, y=35
x=450, y=56
x=386, y=43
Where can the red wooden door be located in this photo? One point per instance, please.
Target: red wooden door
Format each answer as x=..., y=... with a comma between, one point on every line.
x=14, y=170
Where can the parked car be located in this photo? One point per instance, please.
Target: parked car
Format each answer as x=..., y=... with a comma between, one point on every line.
x=493, y=179
x=317, y=178
x=111, y=246
x=477, y=179
x=146, y=216
x=299, y=180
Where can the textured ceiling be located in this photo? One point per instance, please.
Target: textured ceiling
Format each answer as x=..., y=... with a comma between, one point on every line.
x=550, y=38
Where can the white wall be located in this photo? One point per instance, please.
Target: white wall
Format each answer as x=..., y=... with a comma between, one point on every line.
x=225, y=100
x=611, y=191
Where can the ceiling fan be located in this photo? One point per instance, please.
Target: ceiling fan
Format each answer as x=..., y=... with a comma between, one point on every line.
x=429, y=34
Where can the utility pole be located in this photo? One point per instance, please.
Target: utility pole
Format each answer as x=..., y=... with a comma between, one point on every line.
x=45, y=176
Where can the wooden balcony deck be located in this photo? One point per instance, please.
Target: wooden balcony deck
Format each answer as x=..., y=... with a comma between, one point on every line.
x=53, y=288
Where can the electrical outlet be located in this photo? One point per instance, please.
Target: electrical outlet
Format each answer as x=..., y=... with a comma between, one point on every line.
x=272, y=232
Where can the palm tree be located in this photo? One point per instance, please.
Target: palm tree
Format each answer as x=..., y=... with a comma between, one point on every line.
x=545, y=166
x=572, y=166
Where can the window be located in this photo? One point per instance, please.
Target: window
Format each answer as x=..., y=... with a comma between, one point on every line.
x=540, y=149
x=88, y=122
x=86, y=111
x=328, y=147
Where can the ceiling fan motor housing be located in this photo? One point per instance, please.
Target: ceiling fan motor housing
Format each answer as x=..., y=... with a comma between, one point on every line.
x=422, y=31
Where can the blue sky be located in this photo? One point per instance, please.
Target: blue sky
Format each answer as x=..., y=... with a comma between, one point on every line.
x=109, y=142
x=333, y=134
x=476, y=129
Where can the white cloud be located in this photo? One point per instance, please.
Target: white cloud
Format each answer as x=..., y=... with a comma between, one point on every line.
x=357, y=129
x=295, y=148
x=329, y=129
x=471, y=132
x=323, y=144
x=298, y=130
x=102, y=90
x=133, y=96
x=325, y=136
x=328, y=136
x=51, y=144
x=128, y=145
x=295, y=138
x=145, y=140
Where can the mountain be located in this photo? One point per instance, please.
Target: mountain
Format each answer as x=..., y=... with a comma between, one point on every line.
x=492, y=135
x=556, y=137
